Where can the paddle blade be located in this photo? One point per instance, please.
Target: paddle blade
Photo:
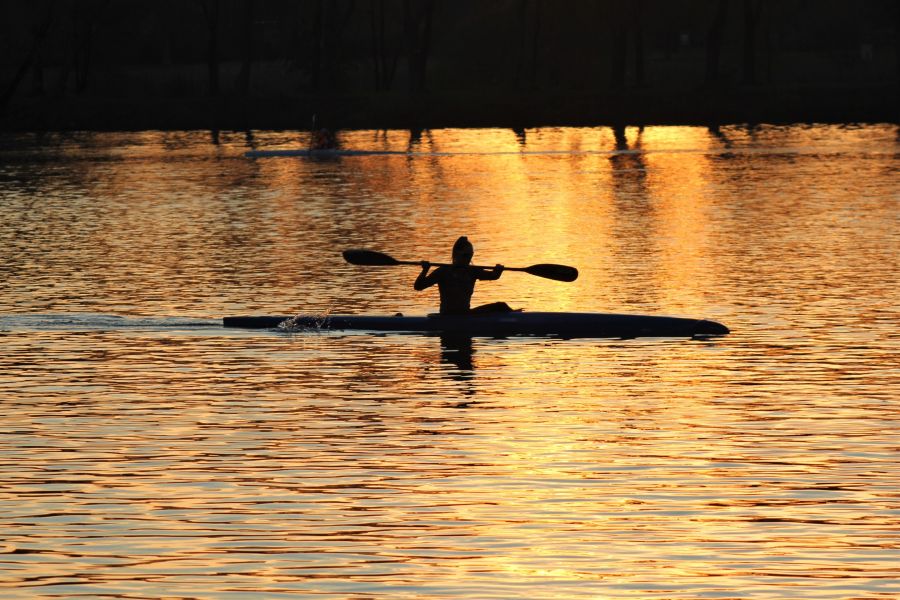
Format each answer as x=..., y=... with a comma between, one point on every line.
x=557, y=272
x=369, y=258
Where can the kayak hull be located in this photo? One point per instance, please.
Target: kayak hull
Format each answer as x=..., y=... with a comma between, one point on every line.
x=549, y=324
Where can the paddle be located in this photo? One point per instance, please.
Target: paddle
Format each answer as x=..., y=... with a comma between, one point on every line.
x=370, y=258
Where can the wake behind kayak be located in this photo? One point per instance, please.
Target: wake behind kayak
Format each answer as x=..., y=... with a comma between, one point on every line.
x=545, y=324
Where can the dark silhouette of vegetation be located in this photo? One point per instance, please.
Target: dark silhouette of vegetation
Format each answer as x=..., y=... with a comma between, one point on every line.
x=242, y=83
x=168, y=63
x=626, y=22
x=79, y=24
x=418, y=16
x=637, y=8
x=385, y=54
x=752, y=13
x=897, y=39
x=714, y=38
x=210, y=10
x=38, y=33
x=528, y=30
x=618, y=23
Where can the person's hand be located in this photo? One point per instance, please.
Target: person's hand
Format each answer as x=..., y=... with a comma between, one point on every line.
x=425, y=265
x=498, y=269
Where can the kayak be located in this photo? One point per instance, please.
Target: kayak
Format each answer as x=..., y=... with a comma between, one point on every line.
x=320, y=153
x=503, y=324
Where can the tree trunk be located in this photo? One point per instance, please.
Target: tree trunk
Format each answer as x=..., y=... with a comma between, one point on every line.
x=336, y=26
x=210, y=10
x=376, y=21
x=897, y=38
x=38, y=35
x=770, y=48
x=83, y=63
x=84, y=51
x=243, y=79
x=639, y=60
x=37, y=74
x=425, y=51
x=389, y=67
x=384, y=58
x=619, y=54
x=418, y=15
x=528, y=29
x=535, y=42
x=519, y=35
x=714, y=42
x=752, y=11
x=318, y=36
x=212, y=65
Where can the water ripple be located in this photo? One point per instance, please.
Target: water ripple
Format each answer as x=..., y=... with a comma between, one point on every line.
x=148, y=452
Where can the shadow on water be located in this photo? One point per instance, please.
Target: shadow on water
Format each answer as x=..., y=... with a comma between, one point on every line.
x=457, y=350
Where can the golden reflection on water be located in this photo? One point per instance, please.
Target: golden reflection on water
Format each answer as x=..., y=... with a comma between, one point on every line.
x=147, y=456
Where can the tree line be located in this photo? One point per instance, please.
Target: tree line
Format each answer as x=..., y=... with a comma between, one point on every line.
x=423, y=46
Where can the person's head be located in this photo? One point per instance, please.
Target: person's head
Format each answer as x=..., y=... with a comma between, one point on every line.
x=463, y=251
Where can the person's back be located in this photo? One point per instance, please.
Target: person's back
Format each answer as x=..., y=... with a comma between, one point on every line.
x=456, y=282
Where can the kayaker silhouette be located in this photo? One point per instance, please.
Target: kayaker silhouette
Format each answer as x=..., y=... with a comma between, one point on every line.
x=456, y=282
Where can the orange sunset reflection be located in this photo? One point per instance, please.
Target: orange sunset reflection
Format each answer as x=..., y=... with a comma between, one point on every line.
x=595, y=198
x=150, y=450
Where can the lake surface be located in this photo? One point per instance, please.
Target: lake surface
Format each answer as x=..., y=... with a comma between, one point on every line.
x=147, y=452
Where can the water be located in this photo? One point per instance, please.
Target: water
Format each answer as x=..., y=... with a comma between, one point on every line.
x=147, y=452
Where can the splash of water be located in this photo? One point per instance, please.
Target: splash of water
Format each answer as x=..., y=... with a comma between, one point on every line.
x=301, y=322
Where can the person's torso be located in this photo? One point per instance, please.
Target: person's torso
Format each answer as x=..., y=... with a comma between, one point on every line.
x=456, y=286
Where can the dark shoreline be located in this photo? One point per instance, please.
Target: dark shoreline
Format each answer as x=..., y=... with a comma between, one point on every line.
x=801, y=104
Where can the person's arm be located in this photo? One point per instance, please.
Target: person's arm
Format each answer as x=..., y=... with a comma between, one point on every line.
x=424, y=280
x=492, y=275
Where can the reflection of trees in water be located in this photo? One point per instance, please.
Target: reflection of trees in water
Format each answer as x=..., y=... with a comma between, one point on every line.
x=520, y=135
x=629, y=174
x=635, y=213
x=628, y=161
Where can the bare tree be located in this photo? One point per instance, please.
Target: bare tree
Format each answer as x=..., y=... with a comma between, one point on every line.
x=637, y=19
x=714, y=41
x=243, y=79
x=535, y=42
x=86, y=25
x=418, y=16
x=38, y=35
x=896, y=7
x=318, y=40
x=37, y=73
x=752, y=13
x=210, y=10
x=618, y=26
x=528, y=26
x=384, y=58
x=330, y=19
